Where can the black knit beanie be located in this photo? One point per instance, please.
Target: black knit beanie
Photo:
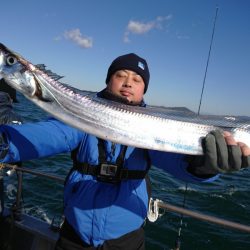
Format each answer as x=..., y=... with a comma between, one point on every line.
x=131, y=62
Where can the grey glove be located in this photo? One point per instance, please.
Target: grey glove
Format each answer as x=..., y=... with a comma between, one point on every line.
x=218, y=157
x=4, y=147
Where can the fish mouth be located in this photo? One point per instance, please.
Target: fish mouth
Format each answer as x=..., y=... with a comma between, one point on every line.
x=22, y=75
x=18, y=72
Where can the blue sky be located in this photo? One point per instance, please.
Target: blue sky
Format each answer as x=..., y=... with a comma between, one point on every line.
x=79, y=39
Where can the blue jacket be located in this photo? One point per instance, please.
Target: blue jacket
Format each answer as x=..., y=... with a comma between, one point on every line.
x=97, y=211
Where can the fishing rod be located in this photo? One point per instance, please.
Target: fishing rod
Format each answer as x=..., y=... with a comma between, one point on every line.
x=178, y=238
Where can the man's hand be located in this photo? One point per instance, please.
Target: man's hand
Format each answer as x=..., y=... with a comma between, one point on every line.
x=222, y=154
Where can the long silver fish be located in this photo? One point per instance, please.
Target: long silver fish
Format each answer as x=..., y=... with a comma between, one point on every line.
x=157, y=128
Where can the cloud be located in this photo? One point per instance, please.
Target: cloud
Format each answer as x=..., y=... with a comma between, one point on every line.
x=76, y=36
x=139, y=28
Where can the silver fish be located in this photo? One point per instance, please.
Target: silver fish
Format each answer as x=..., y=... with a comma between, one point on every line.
x=157, y=128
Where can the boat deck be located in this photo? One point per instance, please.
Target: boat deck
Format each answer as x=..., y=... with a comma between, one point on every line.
x=29, y=233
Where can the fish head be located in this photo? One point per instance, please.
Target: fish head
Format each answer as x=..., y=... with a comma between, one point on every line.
x=17, y=72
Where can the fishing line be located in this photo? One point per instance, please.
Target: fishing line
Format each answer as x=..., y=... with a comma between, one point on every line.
x=178, y=238
x=209, y=53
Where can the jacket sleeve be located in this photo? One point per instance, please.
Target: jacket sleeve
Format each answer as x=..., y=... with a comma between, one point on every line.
x=175, y=165
x=42, y=139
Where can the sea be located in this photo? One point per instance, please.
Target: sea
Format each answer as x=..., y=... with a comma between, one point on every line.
x=226, y=198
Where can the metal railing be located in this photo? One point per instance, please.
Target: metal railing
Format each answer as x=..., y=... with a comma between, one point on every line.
x=153, y=208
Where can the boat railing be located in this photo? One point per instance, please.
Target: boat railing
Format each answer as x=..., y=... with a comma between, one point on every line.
x=154, y=205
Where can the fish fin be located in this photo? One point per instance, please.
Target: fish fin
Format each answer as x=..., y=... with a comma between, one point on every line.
x=50, y=73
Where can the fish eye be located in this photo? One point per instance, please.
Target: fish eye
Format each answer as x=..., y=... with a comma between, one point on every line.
x=10, y=60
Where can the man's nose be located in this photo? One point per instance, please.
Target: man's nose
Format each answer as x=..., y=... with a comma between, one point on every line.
x=127, y=82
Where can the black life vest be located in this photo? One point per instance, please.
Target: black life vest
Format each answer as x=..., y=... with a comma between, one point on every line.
x=109, y=172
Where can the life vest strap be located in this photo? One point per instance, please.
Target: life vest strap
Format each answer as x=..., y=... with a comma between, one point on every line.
x=108, y=172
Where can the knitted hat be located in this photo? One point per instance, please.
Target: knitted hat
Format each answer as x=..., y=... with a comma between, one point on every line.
x=130, y=62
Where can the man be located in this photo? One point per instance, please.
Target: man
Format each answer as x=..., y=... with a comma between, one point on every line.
x=104, y=210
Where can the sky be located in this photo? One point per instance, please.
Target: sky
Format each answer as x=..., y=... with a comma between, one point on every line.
x=79, y=39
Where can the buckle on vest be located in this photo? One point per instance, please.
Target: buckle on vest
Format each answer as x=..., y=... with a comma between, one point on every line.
x=108, y=173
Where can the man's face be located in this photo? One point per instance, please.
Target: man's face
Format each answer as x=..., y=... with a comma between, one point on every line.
x=127, y=84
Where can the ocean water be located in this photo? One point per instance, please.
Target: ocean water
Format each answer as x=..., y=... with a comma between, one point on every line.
x=226, y=198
